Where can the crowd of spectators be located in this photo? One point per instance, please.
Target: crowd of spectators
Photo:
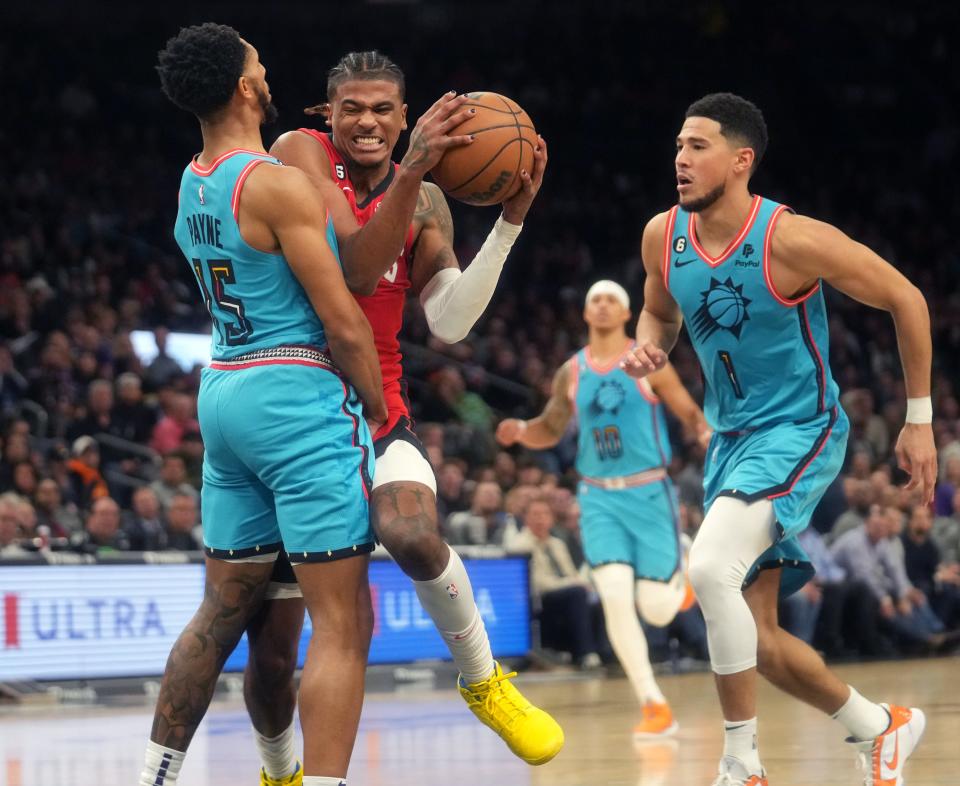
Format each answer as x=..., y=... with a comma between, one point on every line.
x=100, y=448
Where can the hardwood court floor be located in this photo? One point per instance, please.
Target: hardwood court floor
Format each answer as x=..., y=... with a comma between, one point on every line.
x=428, y=738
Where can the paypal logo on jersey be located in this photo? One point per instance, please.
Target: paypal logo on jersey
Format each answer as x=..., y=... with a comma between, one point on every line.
x=723, y=307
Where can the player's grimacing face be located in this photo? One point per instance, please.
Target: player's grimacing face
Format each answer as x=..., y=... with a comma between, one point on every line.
x=605, y=311
x=367, y=117
x=705, y=160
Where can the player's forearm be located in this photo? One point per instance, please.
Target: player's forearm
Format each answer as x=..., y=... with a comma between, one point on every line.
x=353, y=351
x=453, y=301
x=656, y=330
x=371, y=251
x=912, y=321
x=538, y=435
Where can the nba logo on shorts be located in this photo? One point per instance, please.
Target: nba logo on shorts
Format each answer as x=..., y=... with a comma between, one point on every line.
x=452, y=591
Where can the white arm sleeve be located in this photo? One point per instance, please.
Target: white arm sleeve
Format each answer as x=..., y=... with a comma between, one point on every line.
x=453, y=300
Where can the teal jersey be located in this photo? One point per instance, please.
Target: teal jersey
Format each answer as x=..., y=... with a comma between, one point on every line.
x=622, y=427
x=253, y=297
x=764, y=356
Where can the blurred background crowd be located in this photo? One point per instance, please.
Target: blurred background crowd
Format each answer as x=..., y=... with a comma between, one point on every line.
x=100, y=444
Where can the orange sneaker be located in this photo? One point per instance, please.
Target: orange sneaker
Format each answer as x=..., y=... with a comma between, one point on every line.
x=657, y=721
x=883, y=757
x=689, y=597
x=733, y=772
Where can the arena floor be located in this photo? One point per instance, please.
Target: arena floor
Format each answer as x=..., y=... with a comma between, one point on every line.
x=428, y=738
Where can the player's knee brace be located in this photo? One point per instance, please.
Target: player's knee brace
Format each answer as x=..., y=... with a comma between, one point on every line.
x=733, y=535
x=658, y=602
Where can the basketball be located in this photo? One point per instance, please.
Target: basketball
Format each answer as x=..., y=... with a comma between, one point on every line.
x=726, y=307
x=488, y=171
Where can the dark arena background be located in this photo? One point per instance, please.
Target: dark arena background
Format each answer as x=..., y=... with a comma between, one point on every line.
x=103, y=334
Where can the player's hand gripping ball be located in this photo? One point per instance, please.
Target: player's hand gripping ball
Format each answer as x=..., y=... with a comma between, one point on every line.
x=488, y=171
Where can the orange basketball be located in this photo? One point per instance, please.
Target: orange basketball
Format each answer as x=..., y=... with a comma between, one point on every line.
x=488, y=171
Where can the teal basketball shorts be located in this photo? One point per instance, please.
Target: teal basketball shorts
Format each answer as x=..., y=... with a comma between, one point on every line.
x=638, y=526
x=289, y=459
x=792, y=465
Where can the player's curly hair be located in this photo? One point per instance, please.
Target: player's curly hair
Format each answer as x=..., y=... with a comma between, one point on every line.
x=200, y=66
x=739, y=119
x=360, y=65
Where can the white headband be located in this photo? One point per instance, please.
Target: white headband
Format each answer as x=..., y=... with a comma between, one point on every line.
x=608, y=287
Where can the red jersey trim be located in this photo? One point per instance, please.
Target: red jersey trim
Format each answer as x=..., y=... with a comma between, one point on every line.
x=206, y=171
x=668, y=245
x=238, y=187
x=574, y=385
x=767, y=273
x=728, y=251
x=597, y=368
x=646, y=390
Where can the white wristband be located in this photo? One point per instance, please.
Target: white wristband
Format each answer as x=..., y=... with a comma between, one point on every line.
x=920, y=410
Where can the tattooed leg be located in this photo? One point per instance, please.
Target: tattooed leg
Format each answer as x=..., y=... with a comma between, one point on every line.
x=232, y=594
x=406, y=523
x=405, y=520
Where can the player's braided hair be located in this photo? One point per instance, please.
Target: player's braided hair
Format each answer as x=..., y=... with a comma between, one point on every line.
x=738, y=118
x=199, y=67
x=359, y=65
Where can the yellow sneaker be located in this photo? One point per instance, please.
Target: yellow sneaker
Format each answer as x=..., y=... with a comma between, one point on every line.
x=529, y=732
x=290, y=780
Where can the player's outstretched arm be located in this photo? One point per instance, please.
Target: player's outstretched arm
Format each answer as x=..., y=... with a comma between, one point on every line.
x=660, y=320
x=287, y=203
x=453, y=300
x=546, y=430
x=805, y=250
x=368, y=252
x=669, y=388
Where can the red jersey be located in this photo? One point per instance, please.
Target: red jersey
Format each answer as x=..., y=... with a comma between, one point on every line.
x=384, y=308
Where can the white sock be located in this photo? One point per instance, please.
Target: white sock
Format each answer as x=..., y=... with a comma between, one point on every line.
x=448, y=599
x=277, y=753
x=323, y=780
x=862, y=718
x=161, y=765
x=614, y=583
x=740, y=741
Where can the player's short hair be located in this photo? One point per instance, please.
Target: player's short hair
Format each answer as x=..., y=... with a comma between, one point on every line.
x=364, y=65
x=199, y=67
x=739, y=119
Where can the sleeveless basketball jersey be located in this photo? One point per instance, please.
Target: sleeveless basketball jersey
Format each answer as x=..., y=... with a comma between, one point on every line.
x=764, y=356
x=384, y=308
x=253, y=297
x=622, y=427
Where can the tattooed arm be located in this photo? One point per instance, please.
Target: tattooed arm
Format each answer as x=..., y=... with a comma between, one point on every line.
x=232, y=595
x=452, y=300
x=546, y=430
x=433, y=228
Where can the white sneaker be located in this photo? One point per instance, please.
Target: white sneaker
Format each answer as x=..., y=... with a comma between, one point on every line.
x=591, y=661
x=883, y=757
x=733, y=772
